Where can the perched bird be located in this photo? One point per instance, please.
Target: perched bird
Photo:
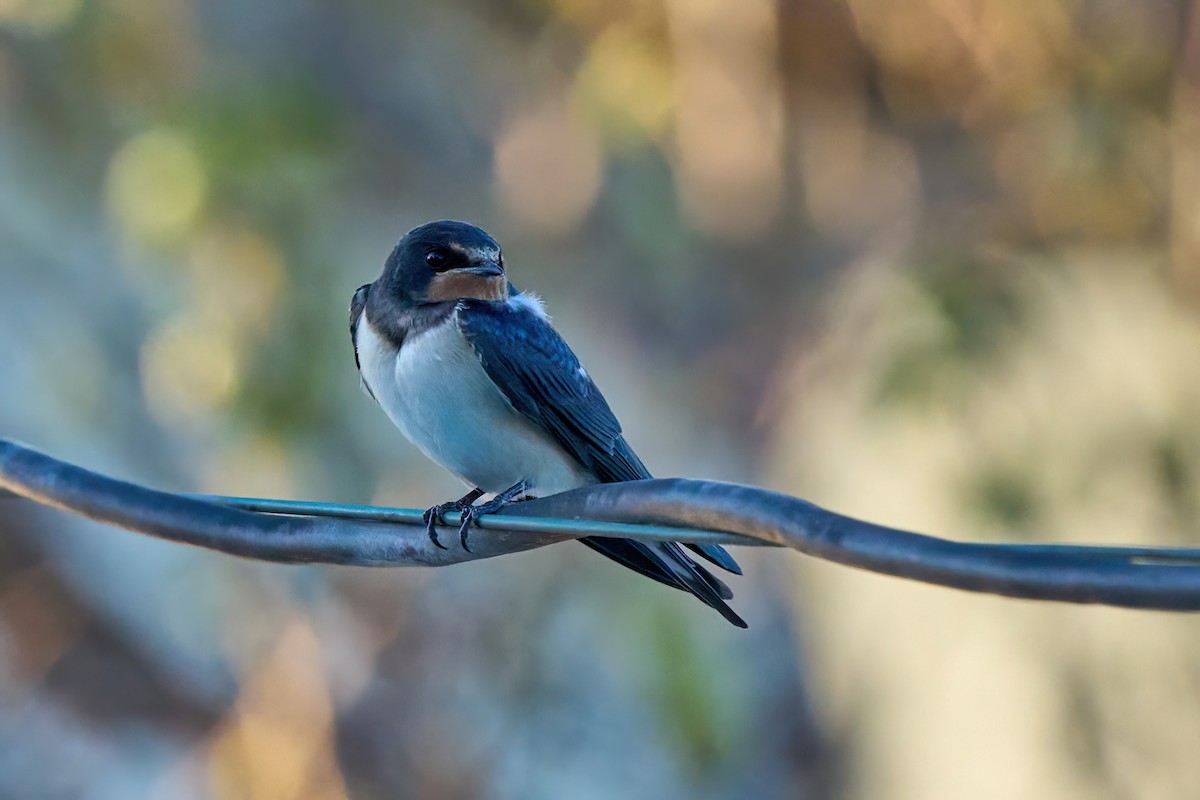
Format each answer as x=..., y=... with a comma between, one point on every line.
x=471, y=372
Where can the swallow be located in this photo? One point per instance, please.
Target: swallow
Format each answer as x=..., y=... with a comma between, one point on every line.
x=472, y=373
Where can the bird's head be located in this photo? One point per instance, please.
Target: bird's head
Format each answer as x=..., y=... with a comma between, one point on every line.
x=442, y=261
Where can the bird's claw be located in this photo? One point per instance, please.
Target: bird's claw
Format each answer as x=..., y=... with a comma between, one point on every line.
x=432, y=518
x=470, y=518
x=433, y=515
x=472, y=513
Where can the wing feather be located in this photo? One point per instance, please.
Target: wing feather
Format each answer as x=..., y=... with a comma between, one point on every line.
x=543, y=380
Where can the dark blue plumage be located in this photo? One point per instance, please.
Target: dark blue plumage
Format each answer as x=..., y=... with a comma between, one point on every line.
x=542, y=378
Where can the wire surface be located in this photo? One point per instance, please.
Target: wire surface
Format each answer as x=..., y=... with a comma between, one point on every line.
x=661, y=509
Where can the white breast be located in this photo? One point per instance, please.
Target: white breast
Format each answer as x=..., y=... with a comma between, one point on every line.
x=435, y=390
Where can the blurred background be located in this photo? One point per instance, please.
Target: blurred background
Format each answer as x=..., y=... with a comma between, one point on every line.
x=934, y=263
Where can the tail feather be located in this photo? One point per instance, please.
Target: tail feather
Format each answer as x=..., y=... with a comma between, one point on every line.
x=667, y=563
x=717, y=555
x=719, y=586
x=632, y=555
x=641, y=559
x=697, y=580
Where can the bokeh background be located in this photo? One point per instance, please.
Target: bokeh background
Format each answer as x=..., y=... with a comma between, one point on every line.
x=933, y=263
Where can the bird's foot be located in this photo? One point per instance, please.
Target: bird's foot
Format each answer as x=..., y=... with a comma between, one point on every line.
x=471, y=514
x=433, y=515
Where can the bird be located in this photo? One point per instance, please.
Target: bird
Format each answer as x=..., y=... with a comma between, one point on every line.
x=473, y=374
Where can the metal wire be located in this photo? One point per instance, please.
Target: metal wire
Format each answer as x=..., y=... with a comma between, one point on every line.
x=413, y=516
x=672, y=509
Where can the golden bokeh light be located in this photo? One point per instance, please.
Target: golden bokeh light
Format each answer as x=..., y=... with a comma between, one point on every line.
x=156, y=187
x=190, y=369
x=277, y=744
x=854, y=180
x=548, y=168
x=37, y=17
x=977, y=58
x=235, y=275
x=255, y=464
x=626, y=85
x=729, y=116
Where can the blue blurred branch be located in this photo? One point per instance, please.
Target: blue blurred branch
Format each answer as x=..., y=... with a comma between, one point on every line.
x=673, y=508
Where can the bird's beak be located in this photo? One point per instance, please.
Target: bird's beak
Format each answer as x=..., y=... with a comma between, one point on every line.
x=488, y=269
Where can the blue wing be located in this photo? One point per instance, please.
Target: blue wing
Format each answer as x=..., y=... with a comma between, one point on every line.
x=543, y=380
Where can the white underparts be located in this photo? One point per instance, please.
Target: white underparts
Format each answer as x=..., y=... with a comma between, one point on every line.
x=435, y=390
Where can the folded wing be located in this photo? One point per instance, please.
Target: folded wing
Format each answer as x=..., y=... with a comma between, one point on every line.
x=543, y=380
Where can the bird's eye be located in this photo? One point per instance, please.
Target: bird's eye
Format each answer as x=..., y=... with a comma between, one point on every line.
x=436, y=259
